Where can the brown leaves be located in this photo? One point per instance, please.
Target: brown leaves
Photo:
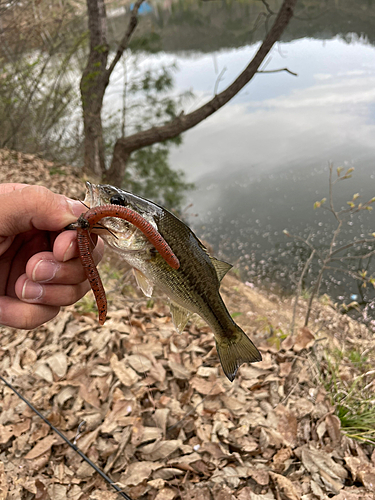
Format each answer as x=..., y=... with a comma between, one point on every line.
x=41, y=447
x=325, y=471
x=137, y=472
x=286, y=489
x=125, y=374
x=304, y=339
x=362, y=470
x=3, y=483
x=206, y=387
x=160, y=417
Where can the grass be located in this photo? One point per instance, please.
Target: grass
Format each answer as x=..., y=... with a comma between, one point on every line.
x=350, y=380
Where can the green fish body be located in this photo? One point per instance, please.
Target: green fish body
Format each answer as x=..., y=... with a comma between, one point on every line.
x=193, y=288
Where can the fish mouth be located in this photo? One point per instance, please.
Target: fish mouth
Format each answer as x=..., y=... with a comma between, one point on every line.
x=124, y=231
x=92, y=197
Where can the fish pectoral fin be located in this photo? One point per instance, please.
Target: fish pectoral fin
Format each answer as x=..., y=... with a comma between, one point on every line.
x=180, y=316
x=221, y=267
x=232, y=353
x=144, y=283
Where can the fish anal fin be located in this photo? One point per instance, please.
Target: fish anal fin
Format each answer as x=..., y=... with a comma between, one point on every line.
x=144, y=283
x=221, y=267
x=180, y=316
x=234, y=352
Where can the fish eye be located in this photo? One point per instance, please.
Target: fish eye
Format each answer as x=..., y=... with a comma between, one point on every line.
x=118, y=199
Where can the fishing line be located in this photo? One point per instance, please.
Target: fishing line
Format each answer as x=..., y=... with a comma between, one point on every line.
x=67, y=441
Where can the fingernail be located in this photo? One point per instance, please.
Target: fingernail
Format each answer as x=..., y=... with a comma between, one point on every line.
x=45, y=270
x=75, y=207
x=69, y=252
x=31, y=290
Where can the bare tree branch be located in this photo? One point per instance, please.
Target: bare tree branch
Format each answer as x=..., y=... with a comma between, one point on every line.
x=351, y=244
x=353, y=257
x=329, y=255
x=125, y=40
x=277, y=71
x=124, y=146
x=269, y=10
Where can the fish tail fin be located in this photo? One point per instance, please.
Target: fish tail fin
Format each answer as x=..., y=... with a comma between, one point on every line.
x=233, y=352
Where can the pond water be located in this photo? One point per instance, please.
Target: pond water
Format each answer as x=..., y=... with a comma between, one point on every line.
x=261, y=162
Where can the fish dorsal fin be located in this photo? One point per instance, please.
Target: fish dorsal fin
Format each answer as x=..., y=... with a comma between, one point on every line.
x=144, y=283
x=180, y=316
x=221, y=267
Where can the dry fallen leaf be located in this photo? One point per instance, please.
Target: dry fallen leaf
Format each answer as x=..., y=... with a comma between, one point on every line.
x=324, y=469
x=6, y=432
x=43, y=371
x=160, y=449
x=139, y=363
x=137, y=472
x=160, y=417
x=364, y=471
x=166, y=494
x=179, y=371
x=285, y=487
x=333, y=426
x=206, y=387
x=248, y=494
x=287, y=425
x=304, y=339
x=41, y=447
x=3, y=483
x=127, y=376
x=58, y=363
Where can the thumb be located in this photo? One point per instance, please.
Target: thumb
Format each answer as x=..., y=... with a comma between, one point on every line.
x=36, y=207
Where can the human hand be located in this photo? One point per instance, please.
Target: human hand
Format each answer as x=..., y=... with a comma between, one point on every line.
x=39, y=266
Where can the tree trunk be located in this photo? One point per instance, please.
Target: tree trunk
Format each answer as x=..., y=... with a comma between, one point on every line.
x=93, y=144
x=93, y=86
x=95, y=80
x=126, y=145
x=118, y=166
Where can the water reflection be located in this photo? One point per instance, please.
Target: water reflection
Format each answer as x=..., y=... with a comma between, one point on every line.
x=261, y=162
x=320, y=116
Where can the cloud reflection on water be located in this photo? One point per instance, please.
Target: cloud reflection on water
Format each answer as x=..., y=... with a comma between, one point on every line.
x=261, y=162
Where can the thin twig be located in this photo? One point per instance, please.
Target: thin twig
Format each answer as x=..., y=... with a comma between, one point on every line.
x=299, y=288
x=330, y=192
x=277, y=71
x=353, y=243
x=314, y=292
x=306, y=241
x=218, y=79
x=349, y=272
x=354, y=257
x=269, y=10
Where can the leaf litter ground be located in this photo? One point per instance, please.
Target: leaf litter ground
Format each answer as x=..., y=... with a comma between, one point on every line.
x=160, y=418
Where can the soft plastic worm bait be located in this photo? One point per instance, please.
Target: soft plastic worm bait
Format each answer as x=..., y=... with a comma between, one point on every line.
x=84, y=225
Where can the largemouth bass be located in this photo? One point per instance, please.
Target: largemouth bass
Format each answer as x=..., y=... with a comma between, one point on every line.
x=192, y=288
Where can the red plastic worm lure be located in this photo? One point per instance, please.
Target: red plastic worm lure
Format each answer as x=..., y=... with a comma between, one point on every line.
x=86, y=222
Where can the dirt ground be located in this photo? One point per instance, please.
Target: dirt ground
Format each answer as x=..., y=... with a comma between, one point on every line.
x=160, y=417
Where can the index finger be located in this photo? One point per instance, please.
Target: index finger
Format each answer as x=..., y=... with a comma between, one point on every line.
x=8, y=187
x=26, y=207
